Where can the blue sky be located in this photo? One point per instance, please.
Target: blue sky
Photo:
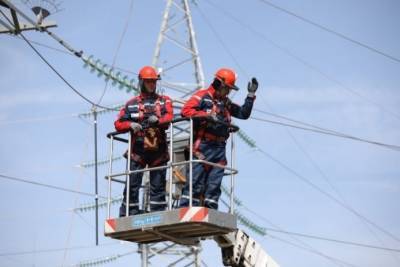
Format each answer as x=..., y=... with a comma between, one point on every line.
x=311, y=77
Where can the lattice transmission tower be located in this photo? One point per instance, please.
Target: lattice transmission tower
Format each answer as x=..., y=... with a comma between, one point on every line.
x=176, y=52
x=177, y=56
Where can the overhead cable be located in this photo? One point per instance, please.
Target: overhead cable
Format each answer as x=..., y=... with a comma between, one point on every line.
x=118, y=47
x=104, y=260
x=340, y=203
x=313, y=251
x=347, y=38
x=36, y=251
x=318, y=237
x=329, y=132
x=299, y=59
x=61, y=77
x=70, y=53
x=326, y=132
x=252, y=144
x=352, y=243
x=262, y=231
x=45, y=46
x=219, y=38
x=54, y=70
x=47, y=118
x=327, y=180
x=2, y=176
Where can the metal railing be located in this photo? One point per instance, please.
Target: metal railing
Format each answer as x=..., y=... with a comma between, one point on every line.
x=115, y=136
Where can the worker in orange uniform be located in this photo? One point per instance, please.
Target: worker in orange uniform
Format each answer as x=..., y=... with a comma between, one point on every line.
x=209, y=137
x=146, y=116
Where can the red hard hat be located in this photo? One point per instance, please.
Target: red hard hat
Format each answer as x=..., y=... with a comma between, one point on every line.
x=227, y=77
x=148, y=73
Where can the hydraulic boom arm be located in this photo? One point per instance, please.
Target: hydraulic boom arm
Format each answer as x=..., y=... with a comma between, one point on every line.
x=240, y=250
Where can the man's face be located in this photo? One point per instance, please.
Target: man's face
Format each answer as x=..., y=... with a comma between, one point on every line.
x=223, y=91
x=150, y=85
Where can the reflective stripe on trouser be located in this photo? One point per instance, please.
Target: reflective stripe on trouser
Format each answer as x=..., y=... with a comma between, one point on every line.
x=206, y=179
x=184, y=202
x=157, y=190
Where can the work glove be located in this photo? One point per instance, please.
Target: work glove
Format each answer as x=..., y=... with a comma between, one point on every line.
x=153, y=120
x=252, y=87
x=136, y=127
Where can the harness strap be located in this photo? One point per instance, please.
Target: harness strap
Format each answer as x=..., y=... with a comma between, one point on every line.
x=212, y=137
x=199, y=138
x=158, y=107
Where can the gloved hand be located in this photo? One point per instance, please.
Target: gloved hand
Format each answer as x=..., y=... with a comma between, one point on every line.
x=153, y=120
x=252, y=87
x=136, y=127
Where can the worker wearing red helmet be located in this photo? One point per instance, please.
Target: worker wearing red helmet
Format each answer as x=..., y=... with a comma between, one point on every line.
x=146, y=116
x=209, y=140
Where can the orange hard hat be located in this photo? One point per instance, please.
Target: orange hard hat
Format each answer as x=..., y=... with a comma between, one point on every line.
x=148, y=73
x=227, y=77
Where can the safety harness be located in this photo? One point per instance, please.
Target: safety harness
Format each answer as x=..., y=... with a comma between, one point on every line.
x=203, y=135
x=140, y=109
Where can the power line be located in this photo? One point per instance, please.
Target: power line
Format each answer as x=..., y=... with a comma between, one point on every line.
x=311, y=250
x=299, y=59
x=295, y=121
x=325, y=131
x=19, y=253
x=263, y=233
x=118, y=47
x=46, y=46
x=329, y=132
x=308, y=156
x=340, y=203
x=47, y=185
x=218, y=37
x=346, y=242
x=321, y=131
x=38, y=119
x=334, y=240
x=104, y=260
x=61, y=77
x=347, y=38
x=243, y=71
x=325, y=177
x=262, y=230
x=55, y=71
x=69, y=53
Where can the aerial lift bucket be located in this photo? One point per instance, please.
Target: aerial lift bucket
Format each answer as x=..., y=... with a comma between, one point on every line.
x=181, y=225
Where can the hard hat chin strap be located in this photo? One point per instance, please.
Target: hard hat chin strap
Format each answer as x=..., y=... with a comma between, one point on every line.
x=141, y=85
x=217, y=83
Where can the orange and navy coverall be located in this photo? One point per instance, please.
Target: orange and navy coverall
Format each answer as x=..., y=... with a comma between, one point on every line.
x=209, y=143
x=138, y=109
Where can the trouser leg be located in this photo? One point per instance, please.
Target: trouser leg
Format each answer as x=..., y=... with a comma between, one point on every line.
x=213, y=188
x=198, y=174
x=135, y=181
x=214, y=179
x=157, y=190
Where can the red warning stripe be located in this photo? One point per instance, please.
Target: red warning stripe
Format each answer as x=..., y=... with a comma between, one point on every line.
x=110, y=225
x=193, y=214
